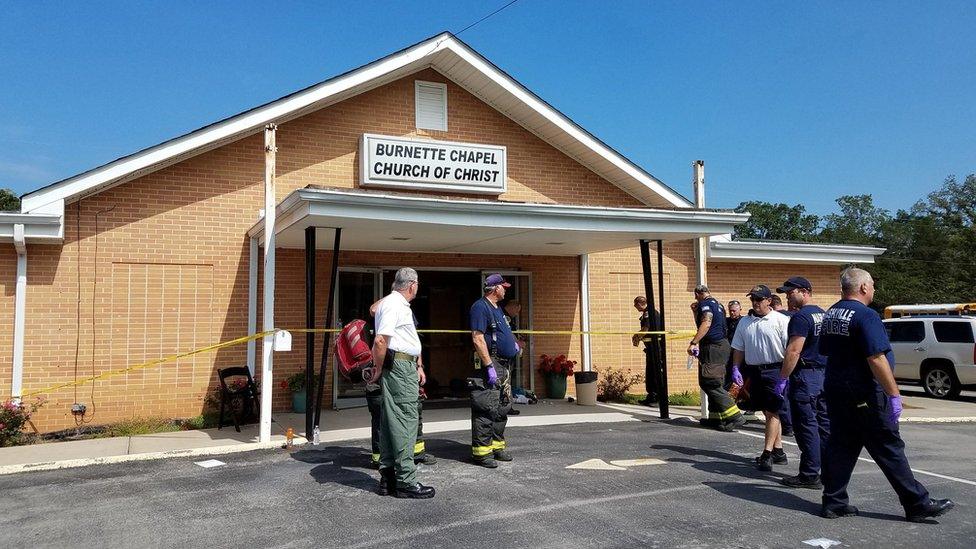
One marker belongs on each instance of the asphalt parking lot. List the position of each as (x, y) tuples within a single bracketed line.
[(705, 493)]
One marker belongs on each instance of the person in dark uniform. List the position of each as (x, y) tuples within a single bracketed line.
[(804, 366), (652, 369), (712, 350), (513, 309), (731, 323), (864, 404), (785, 414), (495, 347)]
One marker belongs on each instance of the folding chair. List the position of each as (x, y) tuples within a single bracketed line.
[(246, 395)]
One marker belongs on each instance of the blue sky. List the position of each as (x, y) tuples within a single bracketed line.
[(789, 102)]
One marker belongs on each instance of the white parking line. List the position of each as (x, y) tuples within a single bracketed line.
[(919, 471)]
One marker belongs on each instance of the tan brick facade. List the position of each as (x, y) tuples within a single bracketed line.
[(159, 265)]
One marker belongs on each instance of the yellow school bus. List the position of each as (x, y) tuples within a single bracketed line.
[(944, 309)]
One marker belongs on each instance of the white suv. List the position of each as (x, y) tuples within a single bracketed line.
[(937, 351)]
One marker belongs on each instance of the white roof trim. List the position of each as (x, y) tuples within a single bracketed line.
[(37, 228), (334, 204), (417, 57), (723, 249)]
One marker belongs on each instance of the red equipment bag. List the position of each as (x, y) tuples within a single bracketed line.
[(353, 351)]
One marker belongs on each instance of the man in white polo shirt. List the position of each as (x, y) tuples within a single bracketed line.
[(758, 349), (396, 356)]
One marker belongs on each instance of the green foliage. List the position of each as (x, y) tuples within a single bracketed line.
[(139, 426), (614, 382), (686, 398), (9, 201), (930, 249), (777, 222), (13, 418)]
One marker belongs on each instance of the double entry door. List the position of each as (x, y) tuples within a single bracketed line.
[(442, 303)]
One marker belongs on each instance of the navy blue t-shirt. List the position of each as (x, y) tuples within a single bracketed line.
[(501, 337), (806, 323), (716, 331), (849, 334)]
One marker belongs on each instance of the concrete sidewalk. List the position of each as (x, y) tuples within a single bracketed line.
[(350, 424), (353, 424)]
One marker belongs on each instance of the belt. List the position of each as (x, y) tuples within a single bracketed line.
[(772, 366), (397, 355)]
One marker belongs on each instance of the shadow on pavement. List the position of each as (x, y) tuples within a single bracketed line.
[(784, 498), (443, 448), (340, 465), (723, 463)]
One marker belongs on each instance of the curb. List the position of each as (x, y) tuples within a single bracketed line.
[(357, 433)]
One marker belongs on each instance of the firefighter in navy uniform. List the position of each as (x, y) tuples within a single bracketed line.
[(864, 404), (712, 349), (495, 347), (803, 366)]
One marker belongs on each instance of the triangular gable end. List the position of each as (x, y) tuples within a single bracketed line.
[(445, 53)]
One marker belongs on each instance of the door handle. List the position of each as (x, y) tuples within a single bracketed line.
[(919, 349)]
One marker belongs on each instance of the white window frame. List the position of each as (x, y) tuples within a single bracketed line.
[(416, 101)]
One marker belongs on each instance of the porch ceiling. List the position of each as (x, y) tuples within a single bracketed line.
[(400, 223)]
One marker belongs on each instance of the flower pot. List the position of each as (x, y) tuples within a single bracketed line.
[(298, 402), (556, 386)]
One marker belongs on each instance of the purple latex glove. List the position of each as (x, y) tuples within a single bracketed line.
[(736, 375), (895, 404), (780, 386), (492, 375)]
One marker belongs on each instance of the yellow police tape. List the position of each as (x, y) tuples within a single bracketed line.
[(672, 334)]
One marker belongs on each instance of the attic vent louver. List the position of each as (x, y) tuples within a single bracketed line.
[(431, 105)]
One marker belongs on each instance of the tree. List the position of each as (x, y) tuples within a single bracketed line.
[(777, 222), (859, 222), (9, 201)]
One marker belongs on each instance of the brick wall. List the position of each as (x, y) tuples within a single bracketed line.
[(616, 278)]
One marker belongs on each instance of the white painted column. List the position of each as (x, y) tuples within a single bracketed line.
[(267, 345), (252, 303), (20, 310), (585, 305), (700, 250)]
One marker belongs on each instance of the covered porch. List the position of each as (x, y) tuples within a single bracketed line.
[(414, 227)]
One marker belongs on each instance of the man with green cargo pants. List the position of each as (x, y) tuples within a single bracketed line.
[(397, 348)]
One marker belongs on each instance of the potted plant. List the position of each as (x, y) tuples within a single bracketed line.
[(296, 385), (556, 369)]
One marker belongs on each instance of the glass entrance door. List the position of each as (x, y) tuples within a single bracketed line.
[(356, 290), (518, 304)]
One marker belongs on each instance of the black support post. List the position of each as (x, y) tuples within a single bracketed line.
[(309, 324), (663, 341), (654, 355), (333, 281)]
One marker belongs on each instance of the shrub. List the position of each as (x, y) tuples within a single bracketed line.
[(614, 382), (687, 398), (13, 417), (295, 383)]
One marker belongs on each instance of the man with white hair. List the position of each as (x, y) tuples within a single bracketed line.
[(863, 404), (396, 359)]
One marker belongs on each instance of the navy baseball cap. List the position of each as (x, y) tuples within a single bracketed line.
[(761, 291), (496, 280), (795, 282)]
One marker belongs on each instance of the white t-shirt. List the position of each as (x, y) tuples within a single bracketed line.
[(394, 320), (762, 338)]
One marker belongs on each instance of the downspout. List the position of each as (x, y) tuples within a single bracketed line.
[(267, 345), (585, 305), (252, 304), (700, 248), (20, 310)]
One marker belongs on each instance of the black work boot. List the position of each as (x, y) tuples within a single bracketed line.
[(732, 424), (838, 512), (802, 482), (765, 461), (931, 509), (779, 457), (487, 462), (387, 485), (502, 455), (426, 459), (417, 491)]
